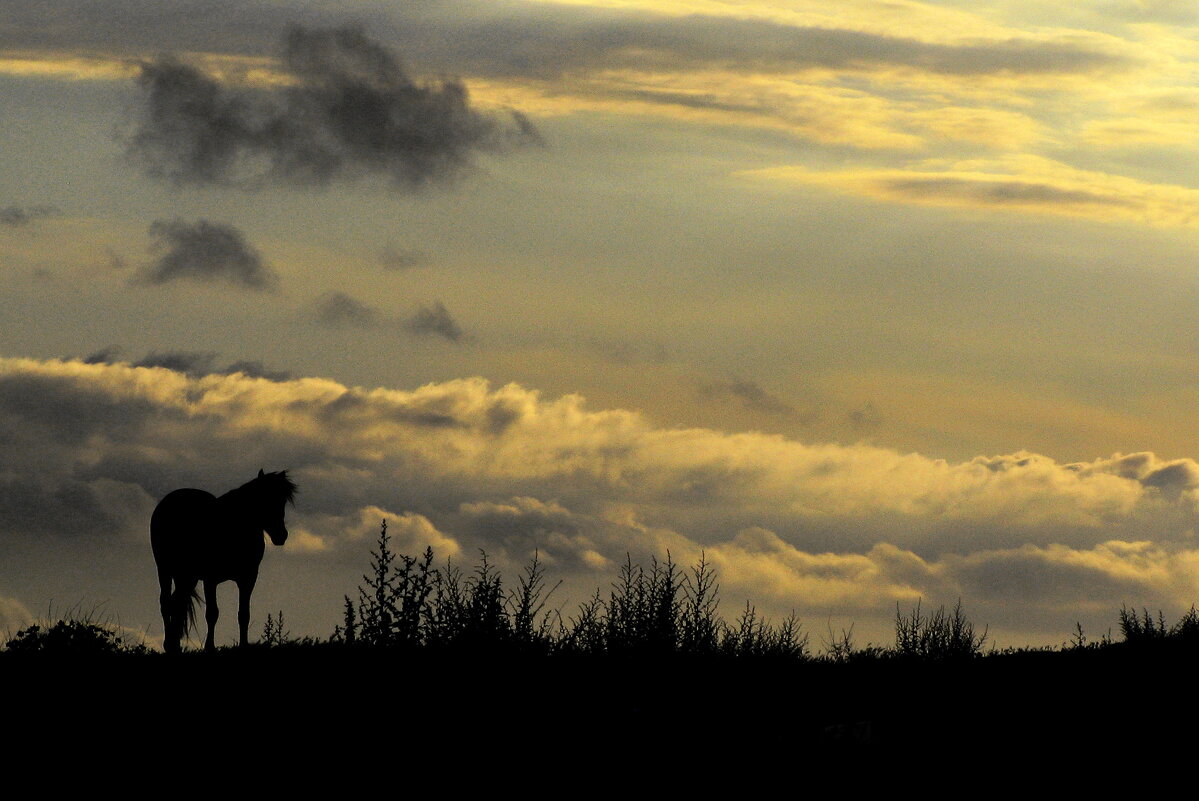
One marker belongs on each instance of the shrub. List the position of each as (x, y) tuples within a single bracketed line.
[(1142, 629), (73, 637), (405, 601), (940, 635)]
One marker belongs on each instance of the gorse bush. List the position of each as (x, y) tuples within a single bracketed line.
[(73, 637), (406, 602), (1144, 628), (939, 635)]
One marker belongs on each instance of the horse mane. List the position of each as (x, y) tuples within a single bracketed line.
[(278, 484), (270, 485)]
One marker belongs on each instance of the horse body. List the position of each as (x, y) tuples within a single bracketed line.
[(198, 537)]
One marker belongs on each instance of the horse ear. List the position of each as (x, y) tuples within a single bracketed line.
[(260, 473)]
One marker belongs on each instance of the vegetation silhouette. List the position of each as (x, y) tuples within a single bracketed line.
[(406, 603), (430, 655), (197, 536)]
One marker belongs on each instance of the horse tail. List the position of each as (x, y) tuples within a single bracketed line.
[(189, 623)]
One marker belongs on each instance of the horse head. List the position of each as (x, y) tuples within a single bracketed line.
[(279, 491)]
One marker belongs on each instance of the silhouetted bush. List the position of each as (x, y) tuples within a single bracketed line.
[(73, 637), (1143, 629), (1187, 627), (940, 635)]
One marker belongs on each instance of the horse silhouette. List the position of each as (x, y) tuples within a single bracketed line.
[(197, 536)]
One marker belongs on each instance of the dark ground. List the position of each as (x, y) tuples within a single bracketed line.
[(348, 707)]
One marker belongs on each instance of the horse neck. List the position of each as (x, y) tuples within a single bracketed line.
[(239, 504)]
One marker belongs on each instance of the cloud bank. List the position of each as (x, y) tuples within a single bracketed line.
[(462, 465)]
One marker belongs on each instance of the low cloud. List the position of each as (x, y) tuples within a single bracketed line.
[(347, 108), (15, 216), (207, 252)]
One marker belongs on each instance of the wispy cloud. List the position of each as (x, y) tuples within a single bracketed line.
[(749, 394), (15, 216), (1027, 184), (398, 259)]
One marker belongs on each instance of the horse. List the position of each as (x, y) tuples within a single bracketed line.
[(197, 536)]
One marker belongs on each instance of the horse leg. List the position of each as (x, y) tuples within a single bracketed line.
[(244, 588), (211, 613)]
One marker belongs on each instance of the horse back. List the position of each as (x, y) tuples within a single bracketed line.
[(178, 522)]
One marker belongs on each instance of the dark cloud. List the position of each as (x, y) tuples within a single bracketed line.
[(398, 259), (256, 369), (339, 310), (69, 507), (193, 363), (750, 395), (352, 110), (106, 355), (206, 251), (15, 216), (435, 320)]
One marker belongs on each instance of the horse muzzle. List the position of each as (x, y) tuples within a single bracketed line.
[(279, 536)]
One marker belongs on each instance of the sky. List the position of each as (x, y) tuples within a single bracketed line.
[(867, 301)]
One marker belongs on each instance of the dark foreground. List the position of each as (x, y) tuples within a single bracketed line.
[(339, 706)]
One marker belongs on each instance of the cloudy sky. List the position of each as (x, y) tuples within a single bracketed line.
[(868, 300)]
